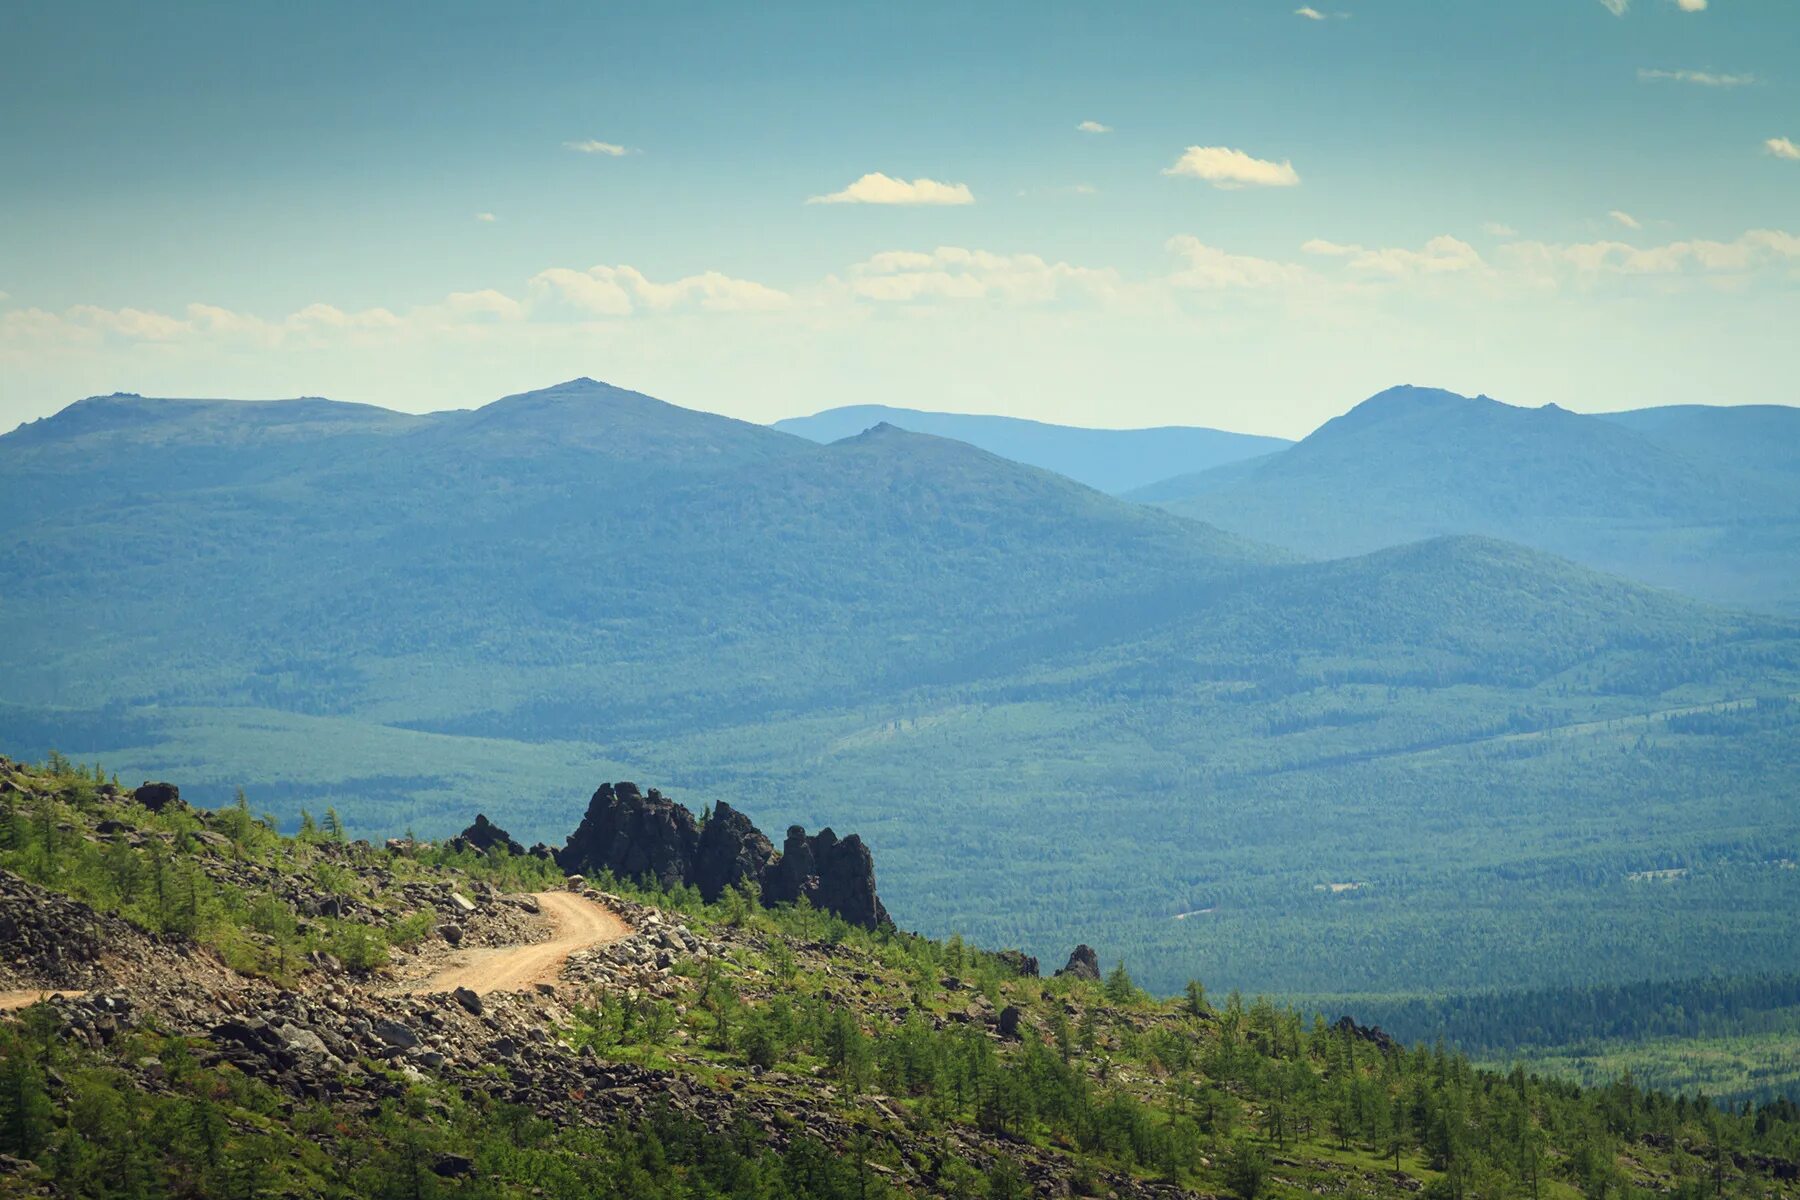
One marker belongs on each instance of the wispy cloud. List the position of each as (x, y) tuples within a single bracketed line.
[(876, 188), (591, 146), (1755, 249), (1313, 14), (1093, 127), (956, 273), (1209, 268), (1625, 219), (487, 218), (1498, 229), (1442, 254), (1782, 147), (1619, 8), (623, 290), (1701, 78), (1226, 168)]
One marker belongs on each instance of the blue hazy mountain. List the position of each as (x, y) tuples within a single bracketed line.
[(1703, 500), (1112, 460), (1054, 713)]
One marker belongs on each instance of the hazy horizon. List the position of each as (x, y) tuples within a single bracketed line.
[(1234, 216)]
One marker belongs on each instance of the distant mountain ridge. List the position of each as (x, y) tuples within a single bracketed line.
[(1055, 715), (1697, 499), (1110, 460)]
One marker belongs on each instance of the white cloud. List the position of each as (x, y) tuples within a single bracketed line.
[(1782, 147), (1700, 78), (876, 188), (1752, 250), (1441, 255), (1310, 13), (590, 146), (1208, 268), (1498, 229), (620, 291), (1616, 7), (595, 292), (1227, 168), (1691, 5), (488, 218), (956, 273), (1625, 219), (482, 307), (1093, 127)]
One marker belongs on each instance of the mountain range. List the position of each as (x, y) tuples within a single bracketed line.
[(1111, 460), (1701, 499), (1051, 712)]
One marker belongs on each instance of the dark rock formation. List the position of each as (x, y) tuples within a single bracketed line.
[(634, 836), (650, 837), (1373, 1034), (1009, 1023), (730, 850), (157, 796), (1083, 963), (483, 836), (1018, 962)]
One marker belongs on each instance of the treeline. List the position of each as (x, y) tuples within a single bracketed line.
[(1487, 1024)]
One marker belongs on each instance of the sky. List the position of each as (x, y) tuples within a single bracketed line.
[(1214, 212)]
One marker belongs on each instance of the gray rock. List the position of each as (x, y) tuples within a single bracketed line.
[(393, 1034)]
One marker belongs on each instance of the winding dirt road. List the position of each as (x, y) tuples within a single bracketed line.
[(579, 923)]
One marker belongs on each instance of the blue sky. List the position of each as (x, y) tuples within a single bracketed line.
[(1590, 202)]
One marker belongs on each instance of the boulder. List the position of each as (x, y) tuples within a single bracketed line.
[(484, 837), (157, 796), (1083, 963), (468, 999)]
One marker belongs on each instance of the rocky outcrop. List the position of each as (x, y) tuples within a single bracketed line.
[(1375, 1035), (158, 796), (1018, 962), (483, 836), (650, 837), (1083, 963), (730, 850)]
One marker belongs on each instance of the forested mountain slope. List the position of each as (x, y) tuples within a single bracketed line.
[(1699, 500), (192, 1004)]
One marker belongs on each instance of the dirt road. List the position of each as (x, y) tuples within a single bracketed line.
[(26, 997), (579, 923)]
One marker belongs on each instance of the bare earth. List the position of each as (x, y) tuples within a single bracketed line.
[(26, 997), (578, 922)]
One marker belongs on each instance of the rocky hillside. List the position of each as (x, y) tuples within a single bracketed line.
[(200, 1006)]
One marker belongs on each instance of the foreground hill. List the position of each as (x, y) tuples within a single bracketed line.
[(1703, 500), (1039, 704), (1112, 460), (192, 1004)]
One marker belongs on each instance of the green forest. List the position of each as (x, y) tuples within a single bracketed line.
[(1223, 1094)]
